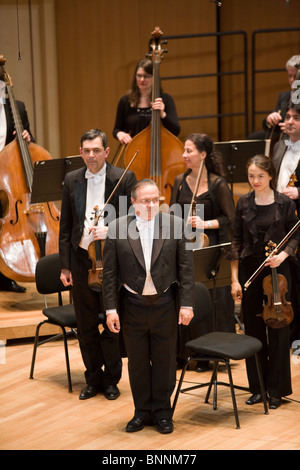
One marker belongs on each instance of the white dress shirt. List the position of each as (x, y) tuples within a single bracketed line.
[(94, 197), (289, 163), (146, 231)]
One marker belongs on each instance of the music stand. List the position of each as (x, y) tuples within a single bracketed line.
[(236, 154), (48, 178), (212, 268)]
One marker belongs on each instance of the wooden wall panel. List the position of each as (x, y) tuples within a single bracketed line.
[(99, 45), (78, 60), (272, 51)]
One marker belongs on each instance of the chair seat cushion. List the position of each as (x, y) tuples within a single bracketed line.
[(63, 315), (227, 345)]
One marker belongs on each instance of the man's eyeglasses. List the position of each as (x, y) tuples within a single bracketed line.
[(96, 151), (147, 202)]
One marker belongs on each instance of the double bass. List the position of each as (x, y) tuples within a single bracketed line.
[(160, 150), (27, 231)]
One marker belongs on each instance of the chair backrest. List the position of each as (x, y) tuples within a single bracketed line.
[(203, 303), (47, 275)]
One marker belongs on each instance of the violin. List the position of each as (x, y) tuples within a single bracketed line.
[(277, 311), (95, 252), (273, 252), (95, 248)]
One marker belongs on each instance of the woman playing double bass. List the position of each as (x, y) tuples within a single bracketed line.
[(263, 215), (134, 109)]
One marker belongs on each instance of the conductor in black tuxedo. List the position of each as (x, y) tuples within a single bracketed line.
[(83, 190), (7, 135), (146, 264)]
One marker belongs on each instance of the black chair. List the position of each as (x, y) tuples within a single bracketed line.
[(219, 347), (47, 278)]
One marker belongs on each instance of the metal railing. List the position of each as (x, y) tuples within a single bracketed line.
[(219, 74), (256, 71)]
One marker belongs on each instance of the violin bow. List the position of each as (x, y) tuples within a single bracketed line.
[(273, 252), (98, 216), (196, 189)]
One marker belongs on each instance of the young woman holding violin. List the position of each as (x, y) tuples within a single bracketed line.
[(262, 216)]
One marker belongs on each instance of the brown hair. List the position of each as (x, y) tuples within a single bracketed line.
[(134, 92)]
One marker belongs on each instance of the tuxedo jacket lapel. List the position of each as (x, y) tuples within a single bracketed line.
[(109, 184), (135, 241), (278, 154), (80, 185), (159, 238)]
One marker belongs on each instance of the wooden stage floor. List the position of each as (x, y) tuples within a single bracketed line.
[(41, 414)]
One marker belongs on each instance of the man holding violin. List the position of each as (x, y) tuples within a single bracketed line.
[(286, 158), (84, 189)]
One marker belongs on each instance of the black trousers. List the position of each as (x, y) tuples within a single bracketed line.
[(150, 334), (275, 353), (100, 352)]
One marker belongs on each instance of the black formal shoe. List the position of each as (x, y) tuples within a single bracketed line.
[(111, 392), (135, 424), (164, 426), (12, 286), (256, 398), (274, 403), (87, 392)]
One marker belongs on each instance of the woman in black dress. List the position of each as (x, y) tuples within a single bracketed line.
[(263, 215), (215, 197), (135, 108)]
